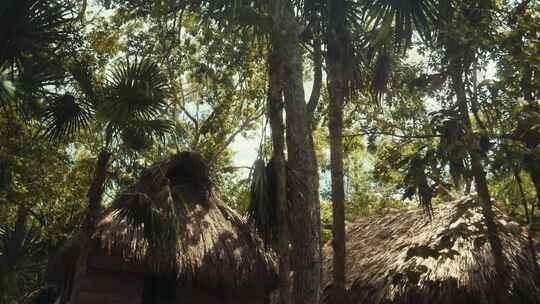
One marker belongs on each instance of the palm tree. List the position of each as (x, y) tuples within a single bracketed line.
[(404, 17), (278, 21), (459, 57), (124, 110)]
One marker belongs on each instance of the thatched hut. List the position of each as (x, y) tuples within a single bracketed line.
[(404, 258), (215, 257)]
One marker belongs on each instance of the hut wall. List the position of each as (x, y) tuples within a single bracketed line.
[(185, 295), (110, 286)]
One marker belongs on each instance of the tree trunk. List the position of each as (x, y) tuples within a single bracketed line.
[(336, 57), (535, 177), (275, 114), (530, 221), (95, 195), (304, 185), (481, 185), (8, 259)]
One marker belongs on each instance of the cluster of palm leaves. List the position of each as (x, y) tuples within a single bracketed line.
[(126, 104), (415, 181), (30, 27), (453, 144), (47, 83)]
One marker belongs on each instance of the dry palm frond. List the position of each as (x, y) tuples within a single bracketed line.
[(381, 75), (262, 210), (156, 221)]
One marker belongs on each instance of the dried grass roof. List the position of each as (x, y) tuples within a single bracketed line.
[(215, 249), (404, 258)]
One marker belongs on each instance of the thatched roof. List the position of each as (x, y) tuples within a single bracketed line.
[(404, 258), (215, 249)]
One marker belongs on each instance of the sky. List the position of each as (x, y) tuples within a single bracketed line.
[(246, 149)]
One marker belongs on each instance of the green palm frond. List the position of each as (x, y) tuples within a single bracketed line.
[(405, 17), (139, 135), (415, 181), (83, 75), (137, 90), (23, 270), (34, 82), (136, 139), (65, 117), (31, 27), (453, 147), (157, 127)]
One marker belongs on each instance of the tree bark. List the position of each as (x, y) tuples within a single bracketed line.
[(95, 196), (530, 221), (8, 259), (275, 114), (336, 56), (535, 176), (302, 164), (478, 172)]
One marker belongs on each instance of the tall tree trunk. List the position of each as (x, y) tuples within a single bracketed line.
[(95, 196), (534, 172), (529, 214), (275, 114), (304, 181), (481, 185), (337, 46)]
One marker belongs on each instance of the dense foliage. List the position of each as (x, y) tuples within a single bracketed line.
[(435, 94)]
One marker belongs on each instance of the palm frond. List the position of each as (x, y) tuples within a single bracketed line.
[(83, 75), (381, 75), (405, 16), (31, 27), (139, 135), (34, 84), (262, 211), (65, 117), (137, 90), (452, 146), (415, 181)]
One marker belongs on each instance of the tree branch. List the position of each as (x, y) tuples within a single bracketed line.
[(406, 136)]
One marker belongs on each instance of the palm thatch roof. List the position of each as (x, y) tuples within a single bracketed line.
[(171, 222), (403, 257)]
